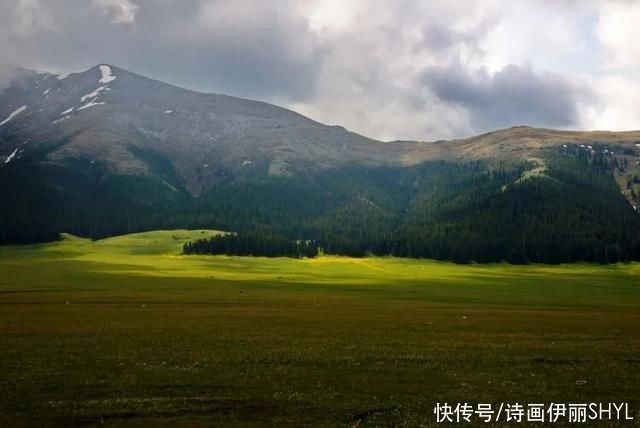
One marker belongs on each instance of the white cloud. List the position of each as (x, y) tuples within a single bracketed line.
[(615, 78), (619, 33), (329, 15), (120, 11), (620, 106)]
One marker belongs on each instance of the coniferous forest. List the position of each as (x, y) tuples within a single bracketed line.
[(253, 244), (472, 212), (566, 209)]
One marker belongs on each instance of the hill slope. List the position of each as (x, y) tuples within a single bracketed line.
[(106, 151)]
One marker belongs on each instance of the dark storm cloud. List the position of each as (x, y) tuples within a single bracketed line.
[(513, 95), (251, 48)]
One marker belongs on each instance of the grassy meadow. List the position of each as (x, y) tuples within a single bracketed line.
[(127, 331)]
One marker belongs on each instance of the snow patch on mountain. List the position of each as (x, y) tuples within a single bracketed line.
[(60, 120), (11, 156), (90, 104), (95, 93), (12, 115), (107, 74)]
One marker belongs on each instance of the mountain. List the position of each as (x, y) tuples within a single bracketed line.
[(109, 115), (107, 151)]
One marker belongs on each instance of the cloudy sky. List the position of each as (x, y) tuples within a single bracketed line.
[(390, 69)]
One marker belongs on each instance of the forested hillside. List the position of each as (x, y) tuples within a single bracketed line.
[(563, 208), (570, 210)]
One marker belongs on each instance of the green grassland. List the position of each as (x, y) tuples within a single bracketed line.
[(127, 331)]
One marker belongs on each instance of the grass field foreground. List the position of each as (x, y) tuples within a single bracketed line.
[(127, 331)]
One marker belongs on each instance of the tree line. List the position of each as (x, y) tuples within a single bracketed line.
[(252, 244)]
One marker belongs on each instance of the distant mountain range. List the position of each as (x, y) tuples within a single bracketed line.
[(106, 151)]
